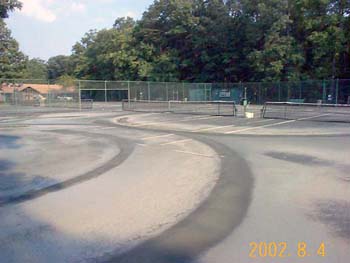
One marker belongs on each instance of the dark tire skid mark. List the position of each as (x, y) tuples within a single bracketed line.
[(210, 223), (126, 148)]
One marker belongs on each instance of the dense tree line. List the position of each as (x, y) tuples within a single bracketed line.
[(210, 41), (12, 61)]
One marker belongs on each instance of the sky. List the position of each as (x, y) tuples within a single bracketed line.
[(46, 28)]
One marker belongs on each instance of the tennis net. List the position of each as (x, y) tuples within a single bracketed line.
[(222, 108), (307, 111)]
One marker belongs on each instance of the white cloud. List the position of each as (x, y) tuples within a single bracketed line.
[(39, 10), (77, 7)]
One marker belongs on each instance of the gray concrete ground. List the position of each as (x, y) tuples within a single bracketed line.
[(112, 186)]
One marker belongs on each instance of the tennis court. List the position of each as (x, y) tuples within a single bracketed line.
[(169, 187), (270, 119)]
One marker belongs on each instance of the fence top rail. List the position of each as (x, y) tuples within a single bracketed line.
[(178, 82), (306, 104), (140, 81), (203, 102), (182, 102), (219, 83)]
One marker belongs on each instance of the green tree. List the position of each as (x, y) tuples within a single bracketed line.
[(12, 60), (321, 27), (7, 6), (66, 81), (124, 23), (36, 68), (222, 41), (58, 66), (279, 57), (110, 54)]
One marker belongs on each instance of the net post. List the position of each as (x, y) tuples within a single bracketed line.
[(285, 111), (263, 111), (245, 101)]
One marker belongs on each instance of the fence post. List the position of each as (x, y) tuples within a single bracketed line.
[(79, 94), (177, 92), (14, 96), (105, 91), (183, 91), (279, 91), (167, 91), (324, 91), (48, 94), (129, 94), (337, 91), (149, 90)]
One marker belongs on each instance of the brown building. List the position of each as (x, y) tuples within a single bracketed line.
[(32, 92)]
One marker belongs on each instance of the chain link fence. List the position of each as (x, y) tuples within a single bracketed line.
[(141, 90), (41, 93), (80, 93), (310, 91)]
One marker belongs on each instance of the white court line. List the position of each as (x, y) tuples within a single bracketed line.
[(174, 142), (258, 127), (173, 120), (226, 126), (156, 137), (166, 120), (275, 124), (108, 128), (313, 117), (213, 128), (178, 118), (252, 122), (196, 117), (144, 114), (197, 154), (202, 118)]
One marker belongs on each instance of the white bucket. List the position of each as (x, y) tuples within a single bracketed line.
[(249, 115)]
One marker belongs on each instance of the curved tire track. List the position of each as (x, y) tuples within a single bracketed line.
[(210, 223), (126, 148)]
